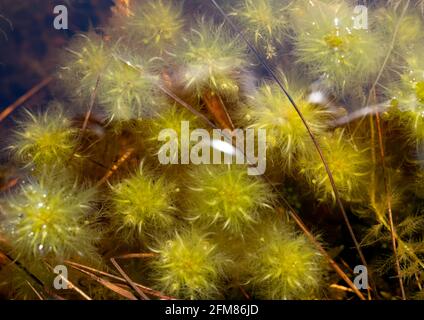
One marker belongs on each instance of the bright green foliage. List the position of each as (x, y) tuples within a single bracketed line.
[(212, 59), (266, 22), (141, 204), (45, 138), (202, 231), (189, 266), (153, 24), (283, 265), (407, 98), (348, 162), (49, 217), (128, 89), (226, 196), (87, 58), (327, 42), (287, 137), (170, 119)]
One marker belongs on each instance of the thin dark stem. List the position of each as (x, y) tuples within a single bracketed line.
[(91, 105)]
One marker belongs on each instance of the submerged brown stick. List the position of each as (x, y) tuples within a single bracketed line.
[(217, 109), (128, 280), (116, 166), (149, 291), (10, 109), (111, 286), (91, 105)]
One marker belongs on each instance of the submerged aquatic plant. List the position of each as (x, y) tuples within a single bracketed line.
[(128, 88), (287, 137), (50, 217), (265, 21), (199, 230), (212, 59), (85, 61), (142, 204), (171, 119), (328, 43), (349, 163), (45, 138), (225, 196), (153, 24), (282, 265), (407, 99), (189, 266)]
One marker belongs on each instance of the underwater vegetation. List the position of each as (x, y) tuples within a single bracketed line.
[(341, 105)]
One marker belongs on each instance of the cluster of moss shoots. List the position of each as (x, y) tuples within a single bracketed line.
[(91, 188)]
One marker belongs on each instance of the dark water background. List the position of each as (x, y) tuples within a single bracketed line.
[(29, 44)]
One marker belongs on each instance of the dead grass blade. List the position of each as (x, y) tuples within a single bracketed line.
[(10, 184), (38, 294), (128, 279), (109, 275), (216, 107), (136, 256), (71, 285), (91, 105), (113, 287)]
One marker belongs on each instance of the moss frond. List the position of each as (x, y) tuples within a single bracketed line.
[(128, 89), (407, 98), (45, 138), (287, 137), (282, 265), (349, 163), (49, 216), (265, 21), (85, 61), (189, 266), (211, 58), (171, 118), (226, 197), (142, 204), (329, 45), (153, 24)]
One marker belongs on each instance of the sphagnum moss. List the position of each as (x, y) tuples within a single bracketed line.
[(283, 265), (44, 138), (226, 197), (287, 137), (265, 21), (156, 25), (142, 205), (349, 162), (328, 42), (211, 59), (189, 266), (214, 232), (50, 217)]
